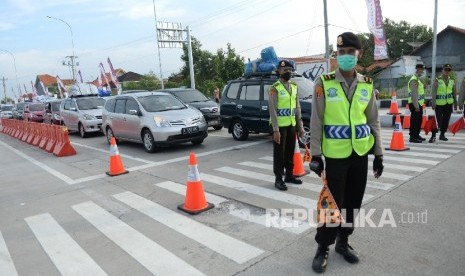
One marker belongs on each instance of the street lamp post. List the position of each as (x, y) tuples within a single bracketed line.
[(73, 57), (16, 71)]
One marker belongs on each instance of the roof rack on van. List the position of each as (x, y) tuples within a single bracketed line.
[(266, 75), (83, 96)]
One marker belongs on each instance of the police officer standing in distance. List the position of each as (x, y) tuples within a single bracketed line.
[(345, 128), (416, 99), (443, 96), (286, 119)]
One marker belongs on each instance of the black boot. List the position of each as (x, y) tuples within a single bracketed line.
[(320, 260), (292, 179), (432, 139), (343, 248), (442, 137), (279, 184)]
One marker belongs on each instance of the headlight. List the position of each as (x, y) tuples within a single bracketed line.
[(89, 117), (160, 122), (202, 119), (56, 117)]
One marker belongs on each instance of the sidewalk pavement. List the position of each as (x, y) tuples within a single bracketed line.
[(428, 238)]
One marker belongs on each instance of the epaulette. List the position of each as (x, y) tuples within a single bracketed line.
[(291, 82), (368, 79), (330, 76), (276, 84), (439, 77)]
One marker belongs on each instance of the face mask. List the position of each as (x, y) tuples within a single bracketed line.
[(347, 62), (286, 76)]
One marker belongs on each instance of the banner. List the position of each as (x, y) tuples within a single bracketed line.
[(104, 75), (80, 77), (34, 91), (376, 26), (112, 72), (61, 87), (43, 88)]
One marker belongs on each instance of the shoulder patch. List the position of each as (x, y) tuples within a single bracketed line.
[(291, 82), (368, 79), (330, 76), (276, 84)]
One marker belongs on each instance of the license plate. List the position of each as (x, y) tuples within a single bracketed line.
[(213, 123), (189, 130)]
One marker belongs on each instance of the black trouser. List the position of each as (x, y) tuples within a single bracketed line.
[(283, 153), (415, 121), (347, 179), (443, 113)]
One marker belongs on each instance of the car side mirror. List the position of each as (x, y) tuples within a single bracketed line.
[(72, 109), (135, 112)]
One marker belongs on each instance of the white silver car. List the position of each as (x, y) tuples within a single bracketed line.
[(82, 113), (6, 111), (153, 119)]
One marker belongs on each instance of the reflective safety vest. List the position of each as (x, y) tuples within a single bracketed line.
[(345, 126), (421, 91), (444, 93), (286, 104)]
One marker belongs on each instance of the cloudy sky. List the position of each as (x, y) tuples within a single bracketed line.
[(125, 32)]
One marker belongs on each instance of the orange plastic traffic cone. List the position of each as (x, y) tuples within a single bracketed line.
[(407, 114), (397, 140), (424, 118), (195, 201), (116, 165), (298, 169), (394, 109)]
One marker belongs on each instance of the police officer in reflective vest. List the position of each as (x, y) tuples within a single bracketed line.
[(443, 96), (345, 128), (416, 99), (285, 118)]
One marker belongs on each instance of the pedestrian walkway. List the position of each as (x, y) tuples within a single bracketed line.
[(250, 194)]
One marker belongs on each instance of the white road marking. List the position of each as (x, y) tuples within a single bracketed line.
[(7, 266), (231, 248), (256, 190), (152, 256), (241, 213), (419, 154), (181, 189), (426, 145), (65, 253)]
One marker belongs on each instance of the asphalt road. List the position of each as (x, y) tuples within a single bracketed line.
[(65, 216)]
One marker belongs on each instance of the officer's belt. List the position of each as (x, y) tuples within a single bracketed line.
[(344, 132)]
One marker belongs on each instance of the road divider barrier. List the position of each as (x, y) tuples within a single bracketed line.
[(51, 138)]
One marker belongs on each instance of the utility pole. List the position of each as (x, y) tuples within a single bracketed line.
[(328, 63), (158, 47), (4, 86), (191, 60)]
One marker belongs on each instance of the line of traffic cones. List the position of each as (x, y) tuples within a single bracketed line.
[(195, 201), (397, 140), (116, 165)]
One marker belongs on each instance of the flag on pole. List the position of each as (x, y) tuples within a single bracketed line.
[(457, 125), (327, 209), (34, 91), (376, 26), (43, 88), (61, 87), (430, 125), (112, 72), (19, 90), (25, 89), (80, 77), (102, 71)]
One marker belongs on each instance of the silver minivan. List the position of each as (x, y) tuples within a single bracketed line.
[(153, 119), (82, 113)]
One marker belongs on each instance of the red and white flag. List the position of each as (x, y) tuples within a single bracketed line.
[(61, 87), (80, 77), (34, 91), (43, 88), (112, 72), (104, 75), (25, 89), (376, 26), (99, 81)]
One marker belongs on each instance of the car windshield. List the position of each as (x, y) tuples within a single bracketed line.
[(56, 106), (90, 103), (190, 96), (7, 108), (157, 103), (36, 107), (305, 87)]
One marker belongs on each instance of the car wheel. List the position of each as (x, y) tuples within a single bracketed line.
[(218, 127), (239, 131), (305, 139), (149, 142), (197, 142), (82, 131), (110, 134)]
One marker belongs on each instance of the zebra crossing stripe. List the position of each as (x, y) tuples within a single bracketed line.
[(410, 160), (401, 167), (379, 185), (420, 154), (241, 213), (65, 253), (396, 176), (152, 256), (7, 266), (425, 145), (234, 249), (256, 190), (431, 149), (181, 189)]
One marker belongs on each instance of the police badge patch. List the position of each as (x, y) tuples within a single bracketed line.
[(364, 92), (332, 92)]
